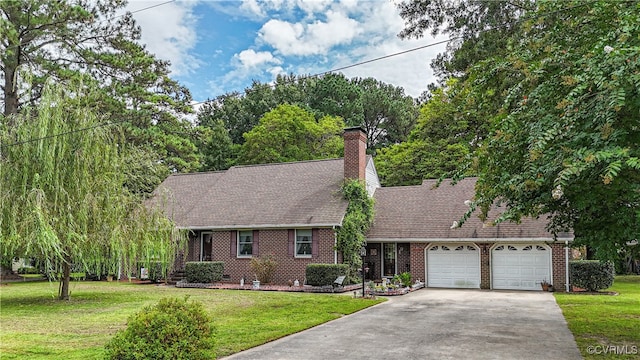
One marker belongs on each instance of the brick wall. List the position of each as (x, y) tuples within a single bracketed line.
[(271, 242), (485, 265), (404, 258), (558, 264), (417, 261)]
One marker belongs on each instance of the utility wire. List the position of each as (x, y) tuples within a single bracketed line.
[(299, 78), (349, 66), (108, 19)]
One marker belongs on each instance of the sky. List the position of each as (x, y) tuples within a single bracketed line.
[(216, 47)]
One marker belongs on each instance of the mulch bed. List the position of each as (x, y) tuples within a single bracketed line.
[(581, 291), (269, 287)]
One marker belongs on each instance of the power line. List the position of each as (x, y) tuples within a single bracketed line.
[(356, 64), (301, 77), (388, 56), (108, 19), (143, 9)]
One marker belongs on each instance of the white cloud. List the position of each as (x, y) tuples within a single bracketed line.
[(410, 70), (275, 71), (252, 7), (252, 59), (310, 37), (303, 39), (283, 36), (169, 32), (336, 34), (314, 6)]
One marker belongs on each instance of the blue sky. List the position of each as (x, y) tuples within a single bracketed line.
[(217, 47)]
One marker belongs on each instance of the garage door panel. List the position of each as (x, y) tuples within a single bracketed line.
[(520, 267), (528, 272), (526, 260), (453, 266)]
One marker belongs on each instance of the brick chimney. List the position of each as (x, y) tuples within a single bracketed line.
[(355, 146)]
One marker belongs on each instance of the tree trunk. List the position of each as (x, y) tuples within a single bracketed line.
[(10, 90), (64, 281), (11, 60)]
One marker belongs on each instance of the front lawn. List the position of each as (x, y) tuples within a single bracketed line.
[(34, 325), (603, 325)]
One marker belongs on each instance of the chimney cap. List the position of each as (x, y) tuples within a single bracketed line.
[(354, 128)]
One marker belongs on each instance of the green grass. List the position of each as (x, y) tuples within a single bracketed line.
[(34, 325), (598, 321)]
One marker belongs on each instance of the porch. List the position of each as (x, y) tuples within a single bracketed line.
[(386, 259)]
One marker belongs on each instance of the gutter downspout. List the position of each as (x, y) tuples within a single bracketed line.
[(335, 245), (566, 265)]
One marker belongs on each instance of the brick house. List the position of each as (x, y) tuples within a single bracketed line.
[(291, 211)]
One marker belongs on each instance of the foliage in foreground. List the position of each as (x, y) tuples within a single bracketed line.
[(63, 195), (171, 329), (565, 141)]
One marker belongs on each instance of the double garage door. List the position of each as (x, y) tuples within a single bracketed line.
[(513, 266)]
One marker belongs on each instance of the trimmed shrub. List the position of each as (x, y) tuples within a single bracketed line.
[(325, 274), (155, 271), (592, 275), (264, 268), (203, 271), (171, 329)]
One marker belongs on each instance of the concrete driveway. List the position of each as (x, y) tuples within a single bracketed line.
[(437, 324)]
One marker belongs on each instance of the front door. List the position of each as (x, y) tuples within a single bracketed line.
[(205, 246), (389, 256)]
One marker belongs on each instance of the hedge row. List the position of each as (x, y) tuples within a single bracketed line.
[(592, 275), (325, 274), (203, 271)]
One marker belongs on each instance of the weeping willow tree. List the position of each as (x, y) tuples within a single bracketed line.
[(62, 192)]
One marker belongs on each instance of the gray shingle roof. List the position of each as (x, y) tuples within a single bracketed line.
[(425, 212), (281, 195)]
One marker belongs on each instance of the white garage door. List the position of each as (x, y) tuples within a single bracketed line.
[(520, 267), (453, 266)]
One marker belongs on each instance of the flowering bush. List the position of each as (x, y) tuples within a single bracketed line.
[(264, 268)]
